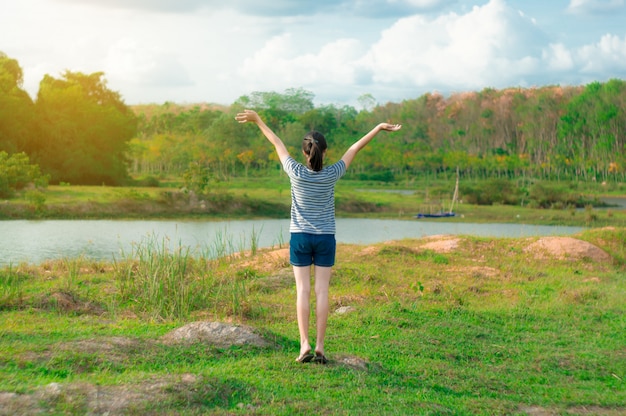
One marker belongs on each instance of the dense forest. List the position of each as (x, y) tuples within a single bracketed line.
[(79, 131)]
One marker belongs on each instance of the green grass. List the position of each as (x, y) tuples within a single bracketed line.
[(484, 329)]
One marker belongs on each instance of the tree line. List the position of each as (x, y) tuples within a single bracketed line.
[(78, 131), (550, 132)]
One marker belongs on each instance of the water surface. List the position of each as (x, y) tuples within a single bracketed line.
[(37, 241)]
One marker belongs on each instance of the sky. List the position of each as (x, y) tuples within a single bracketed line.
[(215, 51)]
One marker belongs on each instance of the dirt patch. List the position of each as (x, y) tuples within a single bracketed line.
[(370, 251), (86, 398), (476, 271), (574, 411), (68, 302), (437, 243), (267, 261), (566, 248), (441, 243)]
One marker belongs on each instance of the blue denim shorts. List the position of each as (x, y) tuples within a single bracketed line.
[(306, 249)]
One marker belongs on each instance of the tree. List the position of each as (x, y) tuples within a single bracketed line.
[(84, 130), (16, 108), (277, 109), (367, 102), (593, 126)]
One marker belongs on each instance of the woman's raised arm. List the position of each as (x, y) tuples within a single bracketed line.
[(252, 117), (348, 157)]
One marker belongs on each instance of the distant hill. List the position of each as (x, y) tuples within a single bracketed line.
[(150, 110)]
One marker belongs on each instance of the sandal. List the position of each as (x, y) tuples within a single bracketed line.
[(305, 357), (320, 358)]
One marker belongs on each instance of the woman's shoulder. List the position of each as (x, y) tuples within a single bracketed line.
[(338, 166)]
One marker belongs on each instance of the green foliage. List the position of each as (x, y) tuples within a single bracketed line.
[(85, 128), (11, 287), (592, 128), (501, 134), (16, 109), (148, 181), (197, 179), (277, 109), (538, 195), (549, 195), (36, 200), (171, 119), (385, 176), (16, 173), (490, 192), (202, 185)]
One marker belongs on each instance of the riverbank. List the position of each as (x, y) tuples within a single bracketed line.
[(440, 325), (258, 200)]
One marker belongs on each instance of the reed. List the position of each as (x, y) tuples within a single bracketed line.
[(168, 281), (155, 277), (11, 287)]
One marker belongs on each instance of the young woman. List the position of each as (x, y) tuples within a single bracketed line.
[(312, 225)]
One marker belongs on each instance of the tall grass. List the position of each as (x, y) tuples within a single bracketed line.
[(168, 282), (157, 280), (72, 266), (11, 287)]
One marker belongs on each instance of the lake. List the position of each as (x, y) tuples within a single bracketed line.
[(36, 241)]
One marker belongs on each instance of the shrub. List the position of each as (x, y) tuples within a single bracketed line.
[(557, 197), (16, 173), (494, 191), (148, 182), (382, 176)]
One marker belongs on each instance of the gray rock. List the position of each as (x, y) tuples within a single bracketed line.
[(215, 333)]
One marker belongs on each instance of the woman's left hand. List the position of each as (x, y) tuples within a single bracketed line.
[(247, 115)]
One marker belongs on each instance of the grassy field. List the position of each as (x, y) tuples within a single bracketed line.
[(487, 328)]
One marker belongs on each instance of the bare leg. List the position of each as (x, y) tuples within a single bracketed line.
[(303, 309), (322, 281)]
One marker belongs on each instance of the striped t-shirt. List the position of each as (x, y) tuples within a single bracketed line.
[(313, 196)]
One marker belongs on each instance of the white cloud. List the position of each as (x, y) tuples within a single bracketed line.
[(422, 4), (277, 8), (595, 6), (608, 55), (558, 57), (179, 6), (211, 50), (490, 45), (279, 64), (129, 62), (493, 45)]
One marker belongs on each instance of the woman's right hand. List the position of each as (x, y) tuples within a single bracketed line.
[(390, 127)]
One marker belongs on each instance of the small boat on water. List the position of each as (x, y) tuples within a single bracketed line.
[(436, 215), (444, 214)]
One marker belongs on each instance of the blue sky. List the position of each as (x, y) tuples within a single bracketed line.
[(191, 51)]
